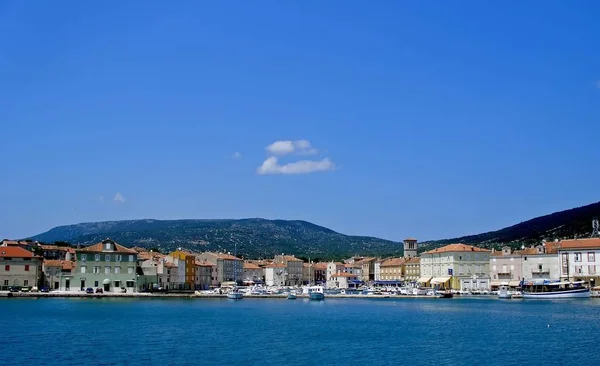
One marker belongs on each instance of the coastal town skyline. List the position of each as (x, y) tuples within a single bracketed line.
[(388, 120)]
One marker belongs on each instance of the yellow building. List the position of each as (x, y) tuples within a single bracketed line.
[(412, 270), (186, 265), (393, 269), (456, 266)]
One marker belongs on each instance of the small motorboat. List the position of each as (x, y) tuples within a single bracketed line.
[(504, 293), (316, 293), (292, 295)]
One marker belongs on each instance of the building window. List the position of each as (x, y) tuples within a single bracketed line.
[(117, 283), (592, 269), (27, 267), (107, 258), (107, 246), (97, 257), (117, 270), (130, 270), (7, 268), (25, 282), (119, 257), (539, 267), (577, 257), (95, 283), (5, 282), (107, 270), (130, 283), (83, 257), (578, 269), (591, 257), (131, 257), (83, 269)]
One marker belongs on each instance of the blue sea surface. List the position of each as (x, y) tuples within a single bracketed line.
[(299, 332)]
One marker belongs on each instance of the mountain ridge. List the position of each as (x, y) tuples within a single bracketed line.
[(565, 224), (254, 237)]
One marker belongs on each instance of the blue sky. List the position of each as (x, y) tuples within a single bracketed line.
[(429, 120)]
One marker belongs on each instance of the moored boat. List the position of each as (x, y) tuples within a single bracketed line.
[(316, 293), (292, 295), (555, 290), (503, 292), (235, 295)]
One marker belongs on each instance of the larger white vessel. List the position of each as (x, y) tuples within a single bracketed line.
[(555, 290)]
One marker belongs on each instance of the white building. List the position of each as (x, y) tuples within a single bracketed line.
[(342, 280), (332, 269), (275, 274), (378, 270), (508, 266), (580, 260), (456, 266)]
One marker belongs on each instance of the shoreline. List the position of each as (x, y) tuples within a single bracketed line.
[(10, 295), (209, 296)]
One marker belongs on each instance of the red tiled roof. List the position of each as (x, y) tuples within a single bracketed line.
[(457, 248), (248, 265), (586, 243), (223, 256), (99, 248), (66, 265), (204, 263), (415, 260), (393, 262), (366, 260), (343, 274), (15, 252), (55, 247), (275, 265)]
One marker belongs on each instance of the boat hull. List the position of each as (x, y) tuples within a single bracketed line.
[(566, 294), (235, 296), (316, 296)]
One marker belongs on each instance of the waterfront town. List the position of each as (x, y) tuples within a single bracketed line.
[(108, 267)]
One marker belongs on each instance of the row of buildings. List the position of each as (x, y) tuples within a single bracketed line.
[(114, 268)]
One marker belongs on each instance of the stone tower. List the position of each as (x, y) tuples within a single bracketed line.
[(410, 248)]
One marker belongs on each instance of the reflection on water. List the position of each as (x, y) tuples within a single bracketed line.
[(334, 331)]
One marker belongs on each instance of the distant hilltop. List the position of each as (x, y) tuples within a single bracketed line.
[(261, 238), (567, 224), (255, 238)]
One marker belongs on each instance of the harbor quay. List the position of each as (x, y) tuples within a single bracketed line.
[(562, 268)]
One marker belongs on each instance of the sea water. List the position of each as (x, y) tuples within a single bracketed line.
[(477, 331)]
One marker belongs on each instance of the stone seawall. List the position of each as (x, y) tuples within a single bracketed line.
[(190, 296)]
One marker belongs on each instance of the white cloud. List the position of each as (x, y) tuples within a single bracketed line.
[(119, 198), (236, 155), (271, 166), (285, 147)]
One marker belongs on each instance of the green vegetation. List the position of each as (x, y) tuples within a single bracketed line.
[(255, 238), (576, 222)]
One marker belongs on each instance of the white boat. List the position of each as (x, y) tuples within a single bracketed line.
[(316, 293), (292, 295), (517, 295), (555, 290), (504, 293), (418, 291), (235, 295)]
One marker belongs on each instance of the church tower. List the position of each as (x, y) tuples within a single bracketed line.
[(410, 248)]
